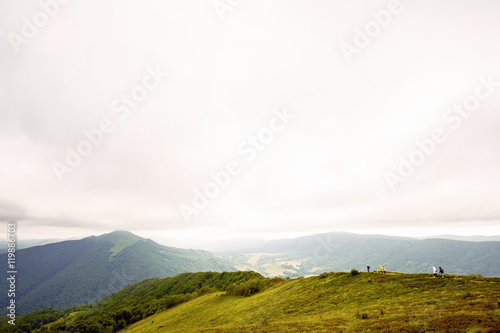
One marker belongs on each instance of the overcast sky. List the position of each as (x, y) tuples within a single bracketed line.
[(316, 107)]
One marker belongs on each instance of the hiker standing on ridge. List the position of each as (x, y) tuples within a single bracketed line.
[(435, 271), (382, 269), (368, 268), (441, 271)]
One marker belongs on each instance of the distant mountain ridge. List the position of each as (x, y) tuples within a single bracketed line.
[(474, 238), (310, 255), (244, 245), (69, 273)]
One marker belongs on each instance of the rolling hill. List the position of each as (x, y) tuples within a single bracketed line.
[(248, 302), (69, 273), (342, 251)]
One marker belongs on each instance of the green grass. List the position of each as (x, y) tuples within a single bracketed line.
[(248, 302), (341, 302), (121, 240), (119, 246)]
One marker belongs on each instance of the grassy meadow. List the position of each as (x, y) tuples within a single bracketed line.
[(341, 302)]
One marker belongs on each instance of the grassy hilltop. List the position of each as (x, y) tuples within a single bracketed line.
[(341, 302), (330, 302)]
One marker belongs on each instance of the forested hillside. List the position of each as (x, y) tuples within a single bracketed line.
[(65, 274)]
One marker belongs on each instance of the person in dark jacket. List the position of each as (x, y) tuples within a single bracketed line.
[(441, 271), (368, 268)]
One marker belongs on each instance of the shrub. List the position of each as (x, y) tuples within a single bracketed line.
[(354, 272), (205, 290), (247, 288), (323, 275), (476, 275), (362, 315)]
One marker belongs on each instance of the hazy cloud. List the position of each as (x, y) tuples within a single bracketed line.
[(324, 171)]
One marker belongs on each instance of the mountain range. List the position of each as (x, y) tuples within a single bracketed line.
[(65, 274), (341, 251), (75, 272)]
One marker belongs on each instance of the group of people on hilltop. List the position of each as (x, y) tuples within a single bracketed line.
[(382, 269), (435, 270), (441, 271)]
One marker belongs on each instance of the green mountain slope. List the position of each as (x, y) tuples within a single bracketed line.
[(69, 273), (341, 302), (341, 251), (137, 301), (330, 302)]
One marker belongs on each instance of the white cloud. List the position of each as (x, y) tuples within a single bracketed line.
[(323, 172)]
